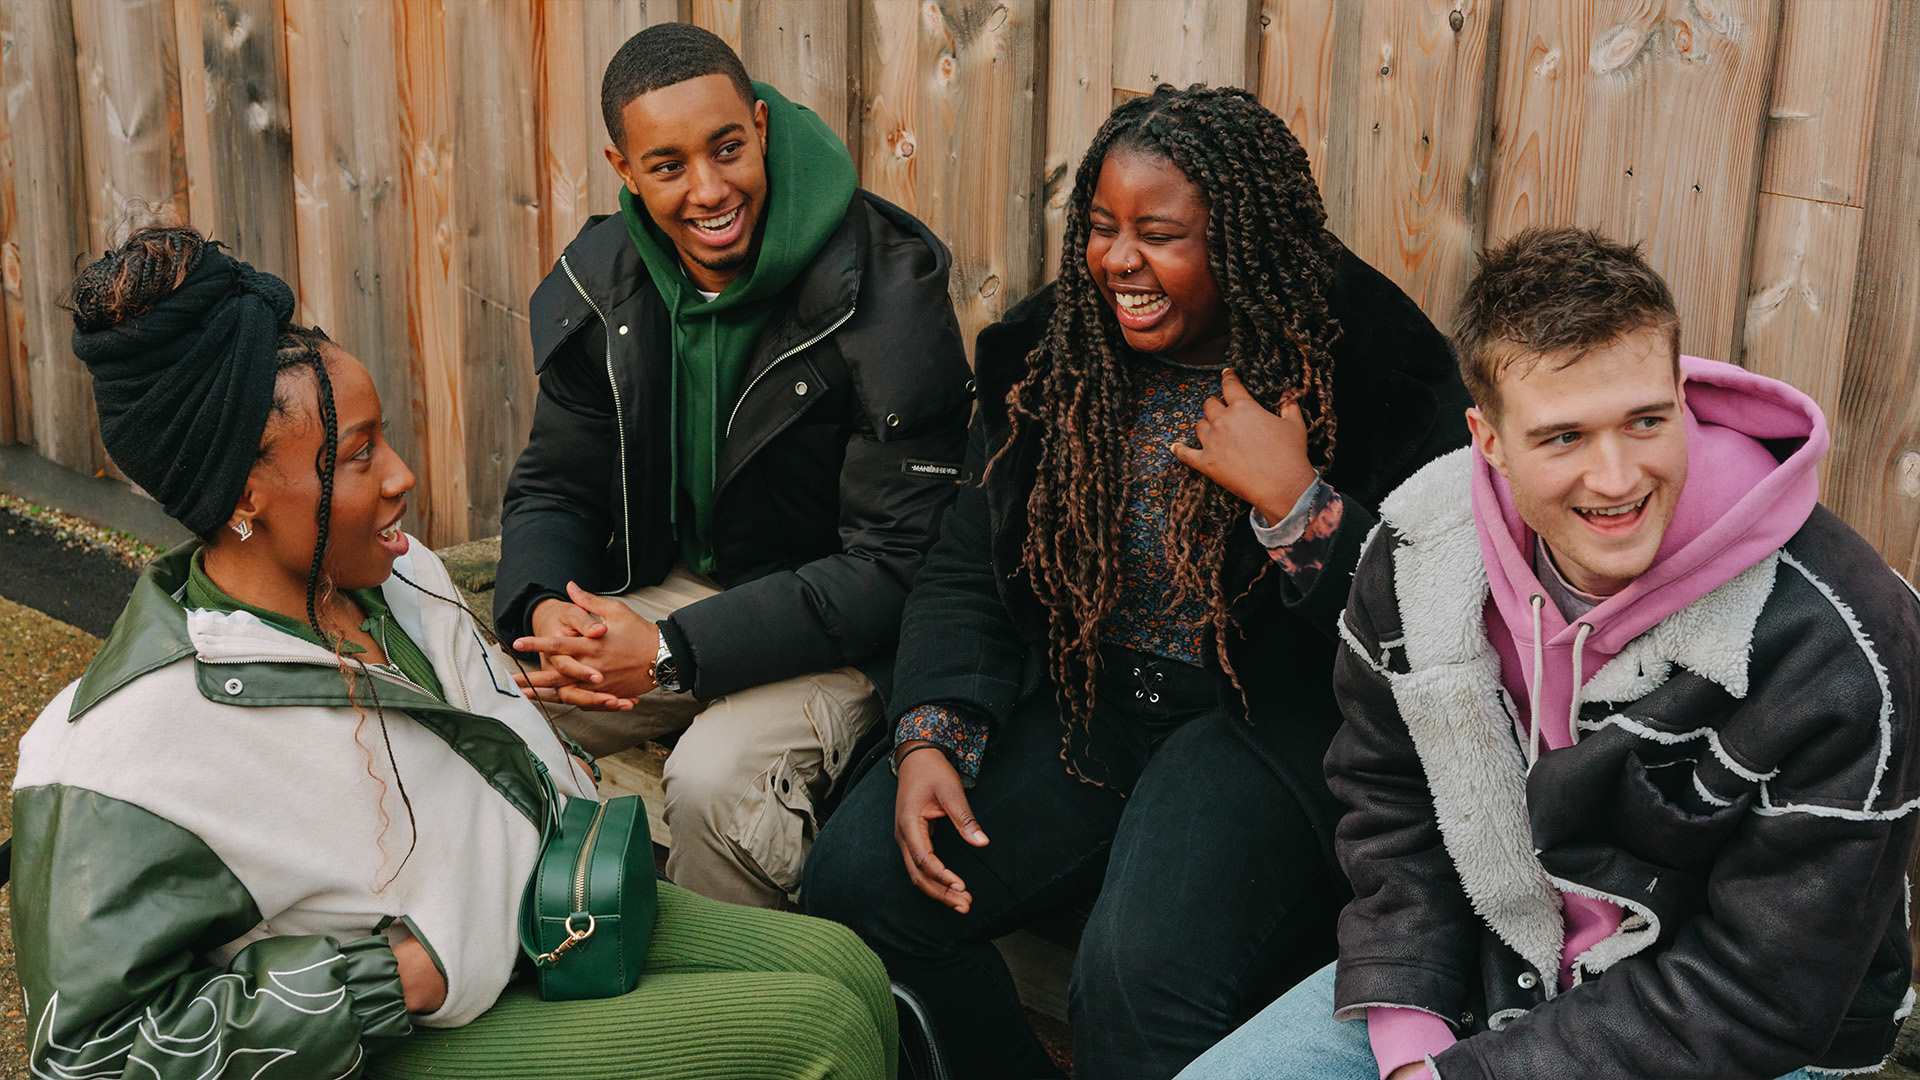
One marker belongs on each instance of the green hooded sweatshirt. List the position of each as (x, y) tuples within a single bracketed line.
[(810, 182)]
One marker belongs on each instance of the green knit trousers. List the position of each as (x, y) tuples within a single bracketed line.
[(729, 993)]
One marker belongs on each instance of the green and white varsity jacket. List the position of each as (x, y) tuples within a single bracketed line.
[(209, 837)]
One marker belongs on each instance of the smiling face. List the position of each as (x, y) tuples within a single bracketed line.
[(1595, 451), (1147, 254), (370, 486), (695, 156)]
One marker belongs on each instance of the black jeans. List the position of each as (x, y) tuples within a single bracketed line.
[(1212, 896)]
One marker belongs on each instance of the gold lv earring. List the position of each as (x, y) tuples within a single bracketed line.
[(243, 528)]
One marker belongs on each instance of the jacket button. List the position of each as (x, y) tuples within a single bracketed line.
[(969, 386), (568, 321), (893, 419), (800, 388), (234, 686), (623, 330), (1528, 980)]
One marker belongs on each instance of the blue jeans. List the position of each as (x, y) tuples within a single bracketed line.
[(1297, 1038)]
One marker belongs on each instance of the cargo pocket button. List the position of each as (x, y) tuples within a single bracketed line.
[(800, 388), (234, 686)]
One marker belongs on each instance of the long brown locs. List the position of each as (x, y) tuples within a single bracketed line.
[(1271, 256)]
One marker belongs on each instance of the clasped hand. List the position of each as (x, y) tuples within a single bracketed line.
[(1259, 456), (595, 652)]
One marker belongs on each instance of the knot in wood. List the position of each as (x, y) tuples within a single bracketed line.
[(1909, 469)]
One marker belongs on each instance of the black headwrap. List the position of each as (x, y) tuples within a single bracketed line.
[(184, 390)]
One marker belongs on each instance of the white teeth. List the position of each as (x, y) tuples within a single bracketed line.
[(719, 223), (1616, 511), (391, 532), (1141, 303)]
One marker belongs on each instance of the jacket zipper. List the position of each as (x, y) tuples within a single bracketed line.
[(778, 360), (585, 861), (619, 429)]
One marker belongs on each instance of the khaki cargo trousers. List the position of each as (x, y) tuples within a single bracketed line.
[(748, 768)]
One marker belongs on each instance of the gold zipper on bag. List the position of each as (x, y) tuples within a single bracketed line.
[(586, 859), (576, 935)]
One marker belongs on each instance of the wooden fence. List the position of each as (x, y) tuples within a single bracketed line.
[(415, 165)]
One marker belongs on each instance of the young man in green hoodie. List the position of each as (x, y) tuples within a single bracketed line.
[(753, 399)]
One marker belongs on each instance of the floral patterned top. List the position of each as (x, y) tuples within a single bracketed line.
[(1171, 403)]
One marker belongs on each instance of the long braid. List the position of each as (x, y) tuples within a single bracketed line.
[(300, 347), (1272, 258)]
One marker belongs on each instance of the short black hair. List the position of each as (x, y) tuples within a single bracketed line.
[(662, 56)]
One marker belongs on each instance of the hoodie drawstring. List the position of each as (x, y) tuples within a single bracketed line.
[(1573, 702), (1536, 602), (1533, 689)]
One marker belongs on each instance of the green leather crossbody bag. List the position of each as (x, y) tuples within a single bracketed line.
[(587, 917)]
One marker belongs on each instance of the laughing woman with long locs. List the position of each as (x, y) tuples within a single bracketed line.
[(283, 824), (1114, 677)]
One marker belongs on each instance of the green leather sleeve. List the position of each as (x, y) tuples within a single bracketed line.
[(114, 912)]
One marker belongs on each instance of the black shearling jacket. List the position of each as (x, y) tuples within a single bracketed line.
[(837, 462), (1743, 787)]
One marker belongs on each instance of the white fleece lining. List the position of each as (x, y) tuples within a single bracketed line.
[(1675, 738), (1710, 798), (1451, 703), (1353, 642), (1359, 1012), (1629, 938), (1873, 660), (1711, 637)]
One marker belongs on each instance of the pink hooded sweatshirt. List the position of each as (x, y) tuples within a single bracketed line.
[(1739, 505)]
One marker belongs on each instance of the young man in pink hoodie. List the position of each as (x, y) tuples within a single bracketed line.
[(1629, 779)]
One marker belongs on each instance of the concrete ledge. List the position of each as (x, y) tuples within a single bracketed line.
[(99, 499)]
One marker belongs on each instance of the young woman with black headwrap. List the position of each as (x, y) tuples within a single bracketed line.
[(278, 823), (1114, 677)]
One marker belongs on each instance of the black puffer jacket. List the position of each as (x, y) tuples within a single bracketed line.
[(838, 458), (974, 634), (1743, 787)]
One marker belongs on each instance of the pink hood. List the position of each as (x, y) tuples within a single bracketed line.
[(1740, 504)]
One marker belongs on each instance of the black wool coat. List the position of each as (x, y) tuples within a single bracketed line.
[(974, 635), (838, 456)]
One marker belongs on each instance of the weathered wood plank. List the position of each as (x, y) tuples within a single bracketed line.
[(1676, 103), (497, 191), (952, 135), (1295, 75), (1822, 101), (128, 67), (1540, 105), (578, 38), (434, 312), (50, 237), (16, 421), (350, 207), (1875, 475), (1413, 123), (1183, 41), (1804, 259), (239, 143), (1079, 97), (808, 50)]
